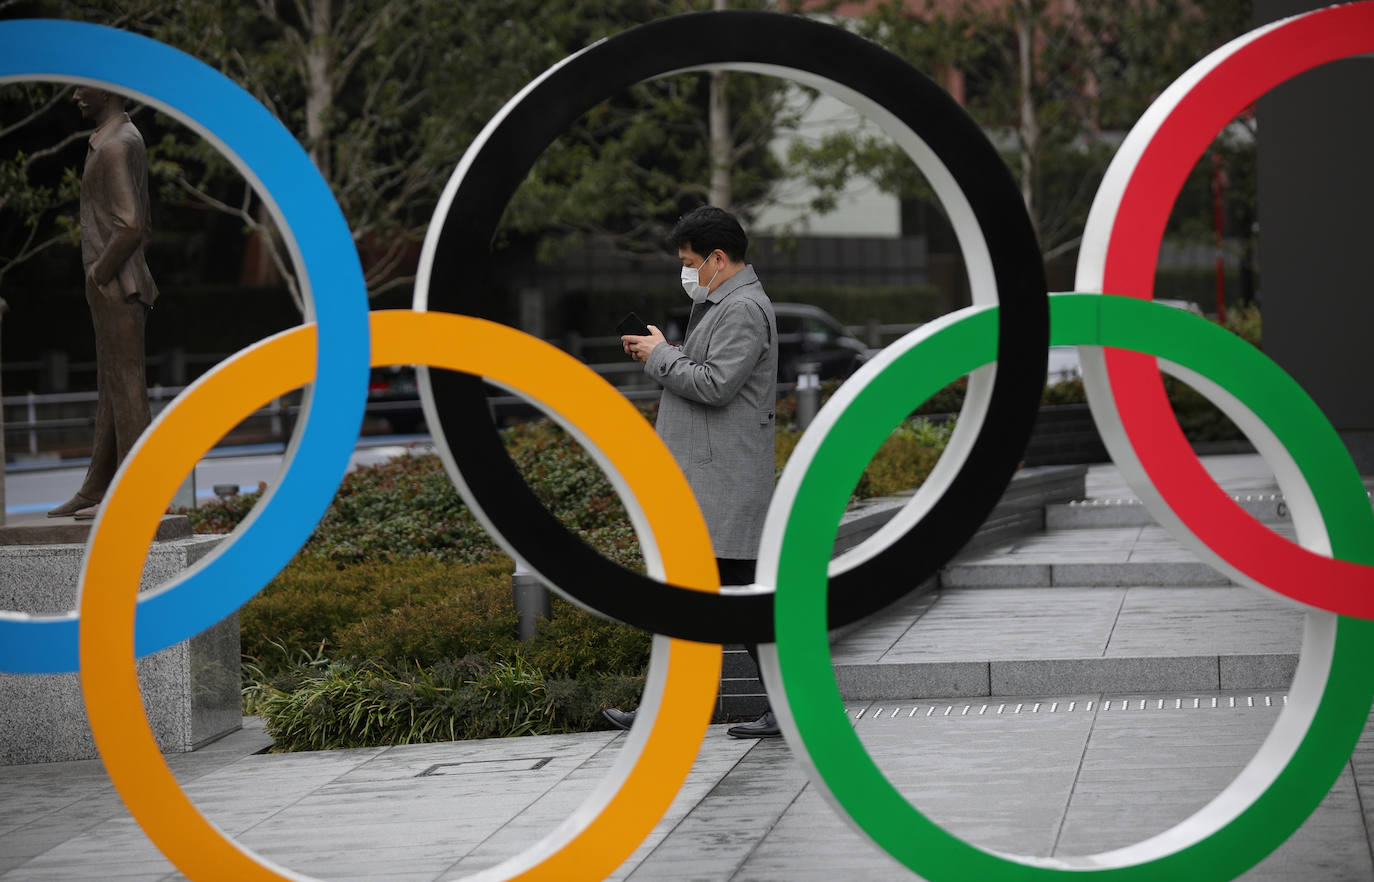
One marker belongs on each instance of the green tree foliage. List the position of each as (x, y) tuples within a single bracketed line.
[(1053, 85), (386, 95)]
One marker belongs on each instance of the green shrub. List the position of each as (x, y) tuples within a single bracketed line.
[(950, 399), (1200, 419), (408, 507), (313, 601), (576, 643), (375, 703), (220, 515), (577, 703), (1247, 323), (1065, 392), (902, 463), (905, 458), (476, 615)]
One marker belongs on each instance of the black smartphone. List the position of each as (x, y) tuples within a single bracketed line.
[(633, 325)]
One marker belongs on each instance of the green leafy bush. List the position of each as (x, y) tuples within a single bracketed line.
[(475, 615), (950, 399), (370, 703), (1247, 323), (314, 601), (408, 507), (905, 458), (220, 515), (576, 643), (1064, 392)]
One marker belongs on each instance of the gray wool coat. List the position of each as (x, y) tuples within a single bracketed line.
[(717, 410)]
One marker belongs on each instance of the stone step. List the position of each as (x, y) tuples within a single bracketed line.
[(997, 573), (1267, 506), (1023, 641), (1131, 512), (1117, 556), (1095, 674)]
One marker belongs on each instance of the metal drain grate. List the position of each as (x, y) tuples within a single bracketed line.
[(1065, 706)]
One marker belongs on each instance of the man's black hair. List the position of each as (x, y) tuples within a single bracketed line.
[(707, 228)]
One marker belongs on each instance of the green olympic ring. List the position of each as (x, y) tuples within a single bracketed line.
[(1332, 690)]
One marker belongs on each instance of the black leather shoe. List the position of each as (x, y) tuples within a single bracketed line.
[(765, 726), (619, 718)]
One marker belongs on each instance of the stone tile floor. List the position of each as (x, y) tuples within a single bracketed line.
[(1049, 776)]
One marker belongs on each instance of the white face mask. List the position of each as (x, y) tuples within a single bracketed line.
[(691, 283)]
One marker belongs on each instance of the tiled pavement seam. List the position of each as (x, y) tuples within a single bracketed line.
[(736, 816)]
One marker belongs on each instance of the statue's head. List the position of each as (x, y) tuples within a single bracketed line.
[(94, 103)]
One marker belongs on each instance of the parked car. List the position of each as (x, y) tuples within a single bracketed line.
[(393, 393), (806, 334)]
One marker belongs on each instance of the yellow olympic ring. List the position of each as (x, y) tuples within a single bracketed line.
[(661, 747)]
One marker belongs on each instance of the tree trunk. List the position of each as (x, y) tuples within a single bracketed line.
[(1030, 127), (319, 86), (720, 193)]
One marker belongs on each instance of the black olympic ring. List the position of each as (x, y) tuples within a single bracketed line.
[(785, 45)]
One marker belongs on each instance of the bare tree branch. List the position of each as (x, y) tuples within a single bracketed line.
[(58, 97), (56, 148), (265, 232), (29, 250)]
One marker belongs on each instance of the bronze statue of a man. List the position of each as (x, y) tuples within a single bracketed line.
[(119, 289)]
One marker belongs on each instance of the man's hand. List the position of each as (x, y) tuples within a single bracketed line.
[(639, 348)]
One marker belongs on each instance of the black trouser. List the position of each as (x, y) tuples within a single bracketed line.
[(740, 571)]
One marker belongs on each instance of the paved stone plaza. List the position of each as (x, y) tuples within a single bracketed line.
[(1037, 719)]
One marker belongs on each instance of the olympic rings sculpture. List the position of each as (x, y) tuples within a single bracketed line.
[(1122, 340)]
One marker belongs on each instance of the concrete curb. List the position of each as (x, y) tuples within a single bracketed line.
[(968, 679)]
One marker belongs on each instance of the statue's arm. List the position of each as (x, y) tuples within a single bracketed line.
[(123, 164)]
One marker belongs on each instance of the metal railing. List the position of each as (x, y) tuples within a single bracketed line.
[(31, 418)]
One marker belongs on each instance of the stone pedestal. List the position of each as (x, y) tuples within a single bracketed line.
[(191, 690), (3, 306)]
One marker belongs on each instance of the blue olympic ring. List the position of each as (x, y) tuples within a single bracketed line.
[(322, 249)]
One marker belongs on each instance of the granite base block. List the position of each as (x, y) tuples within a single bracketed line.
[(1136, 573), (1272, 671), (1070, 675), (737, 708), (190, 690), (952, 679), (996, 575), (735, 662)]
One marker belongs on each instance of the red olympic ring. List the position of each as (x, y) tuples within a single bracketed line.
[(1174, 143)]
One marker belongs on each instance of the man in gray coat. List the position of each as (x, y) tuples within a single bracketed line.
[(119, 289), (719, 392)]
